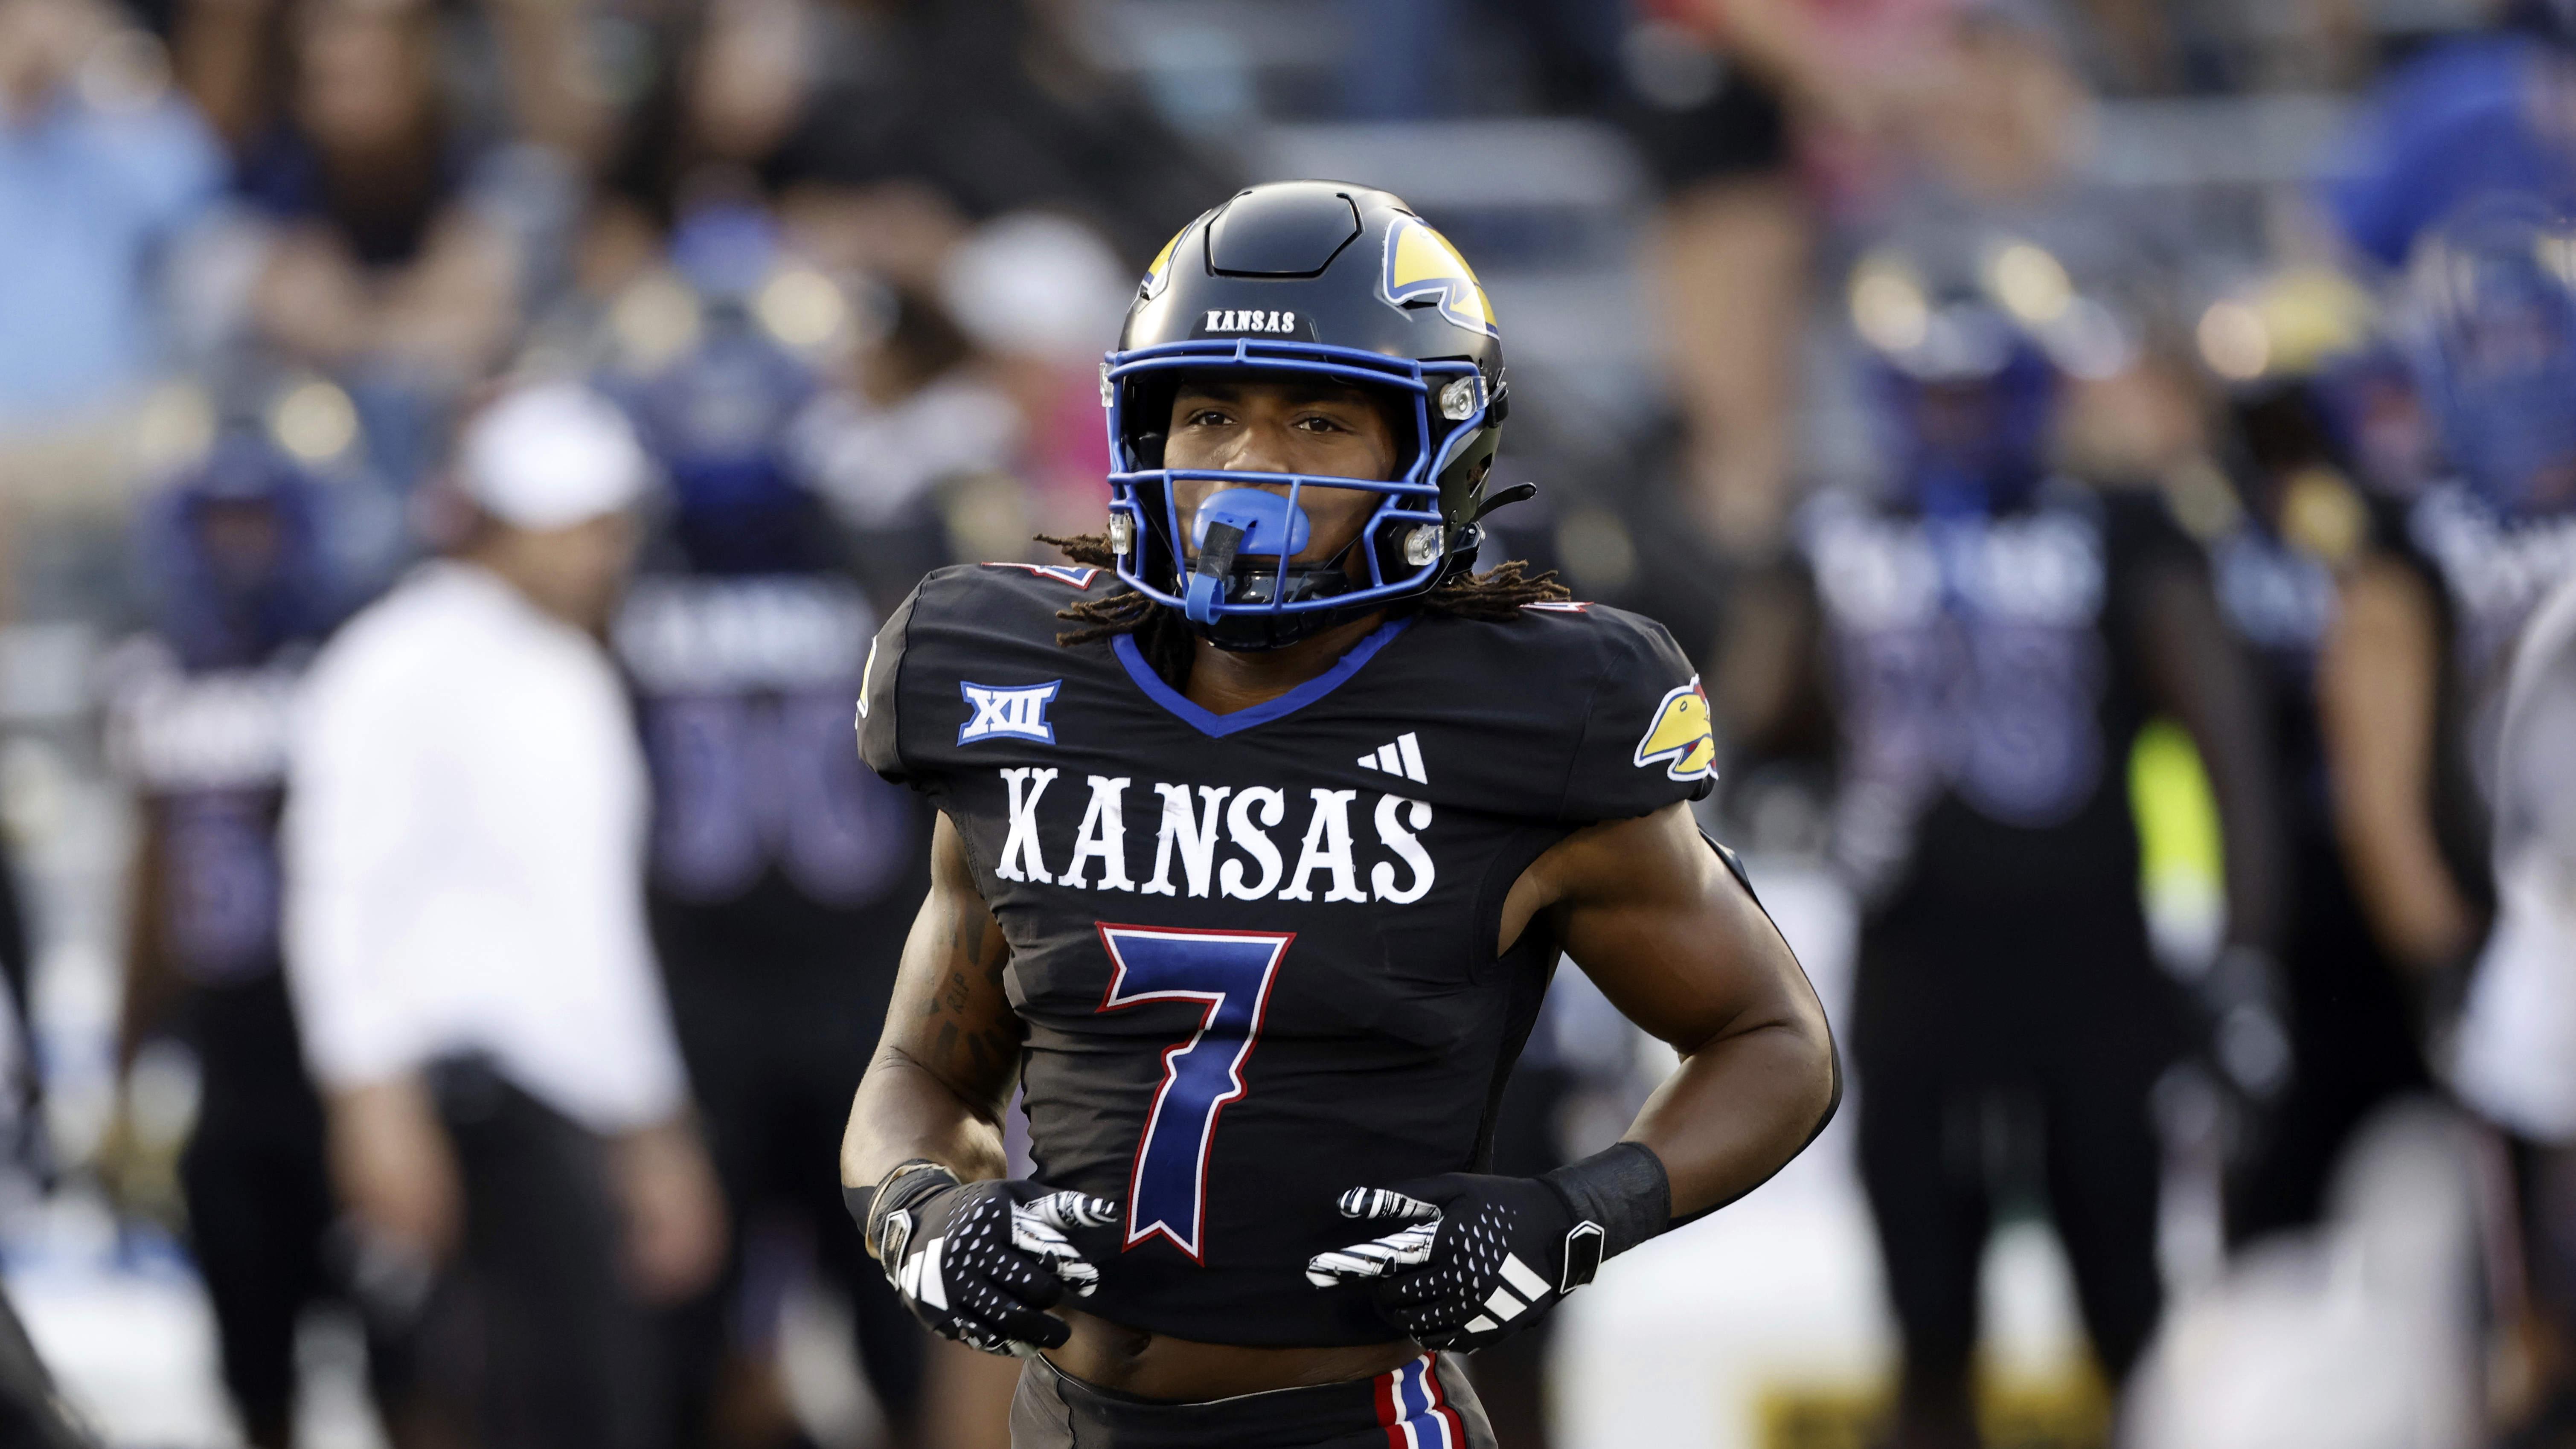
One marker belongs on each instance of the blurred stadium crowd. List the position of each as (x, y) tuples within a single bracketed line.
[(2111, 459)]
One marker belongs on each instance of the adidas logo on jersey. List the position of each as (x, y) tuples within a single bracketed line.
[(1404, 757)]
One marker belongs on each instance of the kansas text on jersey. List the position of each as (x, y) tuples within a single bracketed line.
[(1255, 951)]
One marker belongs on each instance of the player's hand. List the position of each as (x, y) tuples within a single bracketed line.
[(981, 1262), (1470, 1260), (395, 1169), (674, 1211)]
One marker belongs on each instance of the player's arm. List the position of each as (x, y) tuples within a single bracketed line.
[(1651, 912), (152, 989), (2195, 673), (943, 1071), (1653, 915), (976, 1257), (2377, 679)]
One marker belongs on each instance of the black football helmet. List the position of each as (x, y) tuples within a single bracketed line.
[(1326, 280)]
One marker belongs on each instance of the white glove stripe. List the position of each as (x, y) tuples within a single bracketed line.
[(1326, 1269), (1031, 1236), (1377, 1202), (1504, 1306), (1481, 1324), (1034, 1237), (1529, 1284), (1069, 1209), (934, 1290), (1376, 1258)]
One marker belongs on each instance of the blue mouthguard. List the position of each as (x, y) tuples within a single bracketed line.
[(1261, 523)]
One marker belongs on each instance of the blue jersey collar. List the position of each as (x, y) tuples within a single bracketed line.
[(1218, 726)]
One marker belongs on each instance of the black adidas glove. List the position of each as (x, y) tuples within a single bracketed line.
[(981, 1262), (1480, 1258)]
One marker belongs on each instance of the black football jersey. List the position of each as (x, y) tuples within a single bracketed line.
[(1988, 688), (778, 862), (206, 751), (1255, 951)]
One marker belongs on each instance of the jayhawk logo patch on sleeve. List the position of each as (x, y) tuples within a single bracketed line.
[(1679, 737), (1421, 265)]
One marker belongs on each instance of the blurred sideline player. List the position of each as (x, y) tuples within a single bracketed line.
[(2522, 1024), (197, 723), (1996, 635), (2377, 809), (2497, 359), (783, 871), (507, 1119), (1253, 878)]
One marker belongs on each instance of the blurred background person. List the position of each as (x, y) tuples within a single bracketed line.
[(1996, 634), (2375, 802), (2495, 313), (101, 167), (2488, 112), (1708, 91), (197, 720), (508, 1120), (99, 164), (2522, 1017), (1765, 122), (399, 235), (783, 873)]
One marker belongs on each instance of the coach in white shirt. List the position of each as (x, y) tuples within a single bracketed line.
[(466, 937)]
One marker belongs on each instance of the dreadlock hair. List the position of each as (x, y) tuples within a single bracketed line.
[(1492, 597)]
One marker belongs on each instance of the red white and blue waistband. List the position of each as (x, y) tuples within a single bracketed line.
[(1415, 1409)]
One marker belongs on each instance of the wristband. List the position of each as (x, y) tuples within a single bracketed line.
[(1621, 1196), (906, 1183)]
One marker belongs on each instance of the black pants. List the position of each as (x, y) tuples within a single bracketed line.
[(2021, 1067), (2353, 1049), (1426, 1404), (1933, 1144), (774, 1064), (258, 1193), (531, 1340), (259, 1213)]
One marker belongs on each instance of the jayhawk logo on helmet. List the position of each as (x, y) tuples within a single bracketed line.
[(1680, 733), (1421, 264), (1159, 275)]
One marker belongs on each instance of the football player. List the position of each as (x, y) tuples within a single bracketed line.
[(1998, 635), (197, 715), (2304, 526), (1251, 881), (782, 870), (2496, 355)]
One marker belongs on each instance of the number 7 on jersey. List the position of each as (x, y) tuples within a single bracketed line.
[(1230, 973)]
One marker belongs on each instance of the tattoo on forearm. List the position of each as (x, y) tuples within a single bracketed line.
[(966, 1048)]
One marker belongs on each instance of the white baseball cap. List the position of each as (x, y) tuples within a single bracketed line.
[(551, 454)]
